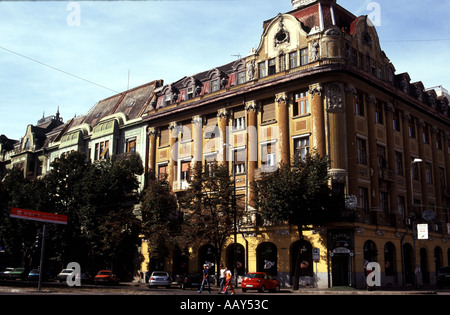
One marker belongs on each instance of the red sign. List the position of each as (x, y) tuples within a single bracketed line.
[(38, 216)]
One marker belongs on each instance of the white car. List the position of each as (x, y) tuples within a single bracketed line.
[(62, 276), (159, 279)]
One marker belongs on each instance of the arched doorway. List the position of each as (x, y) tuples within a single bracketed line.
[(301, 256), (408, 263), (266, 254), (240, 258), (424, 266), (438, 259), (390, 268), (301, 252)]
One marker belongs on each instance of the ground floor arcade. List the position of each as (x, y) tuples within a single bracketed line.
[(332, 256)]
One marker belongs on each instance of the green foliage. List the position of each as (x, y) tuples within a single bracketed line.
[(297, 193), (98, 198), (160, 217)]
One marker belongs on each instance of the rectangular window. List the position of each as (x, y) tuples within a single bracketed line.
[(304, 56), (262, 69), (268, 156), (215, 85), (426, 135), (239, 161), (130, 146), (301, 146), (359, 104), (379, 113), (239, 119), (428, 173), (190, 93), (185, 170), (396, 120), (362, 153), (163, 171), (268, 110), (101, 150), (412, 128), (272, 66), (241, 77), (398, 163), (293, 60), (364, 199), (301, 106), (414, 169), (401, 205)]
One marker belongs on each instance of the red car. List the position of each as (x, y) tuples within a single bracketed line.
[(260, 281), (106, 277)]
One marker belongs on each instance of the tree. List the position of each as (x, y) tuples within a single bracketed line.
[(160, 218), (297, 193), (210, 207)]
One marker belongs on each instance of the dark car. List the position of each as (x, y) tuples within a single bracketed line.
[(190, 280), (18, 273), (443, 277), (5, 273), (260, 281)]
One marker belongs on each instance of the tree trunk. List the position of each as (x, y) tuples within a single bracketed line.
[(297, 261)]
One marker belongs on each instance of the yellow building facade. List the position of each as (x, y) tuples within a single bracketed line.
[(318, 80)]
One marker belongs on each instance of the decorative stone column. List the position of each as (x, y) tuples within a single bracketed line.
[(282, 102), (317, 115), (173, 135), (423, 179), (197, 123), (352, 149), (222, 120), (373, 155), (389, 109), (252, 152), (151, 164), (335, 106)]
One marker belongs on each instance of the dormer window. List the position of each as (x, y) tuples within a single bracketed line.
[(190, 93), (272, 66), (167, 100), (215, 85)]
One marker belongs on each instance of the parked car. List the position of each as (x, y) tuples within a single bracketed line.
[(159, 278), (260, 281), (5, 273), (190, 280), (18, 273), (106, 277), (62, 276), (443, 277), (84, 277), (33, 275)]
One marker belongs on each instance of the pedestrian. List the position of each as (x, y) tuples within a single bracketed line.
[(222, 277), (205, 279), (228, 284)]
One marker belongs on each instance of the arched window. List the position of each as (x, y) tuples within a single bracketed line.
[(301, 253), (389, 259), (266, 254), (239, 262)]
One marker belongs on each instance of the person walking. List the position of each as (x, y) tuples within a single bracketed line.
[(228, 284), (205, 279), (222, 277)]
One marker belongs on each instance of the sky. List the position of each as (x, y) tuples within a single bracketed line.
[(72, 54)]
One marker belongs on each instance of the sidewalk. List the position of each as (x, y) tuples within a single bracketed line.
[(377, 291)]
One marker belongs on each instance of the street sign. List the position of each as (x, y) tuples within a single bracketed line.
[(422, 231), (38, 216), (316, 254)]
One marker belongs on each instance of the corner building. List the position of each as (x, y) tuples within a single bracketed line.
[(318, 80)]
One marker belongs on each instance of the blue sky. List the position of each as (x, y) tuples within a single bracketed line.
[(52, 56)]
